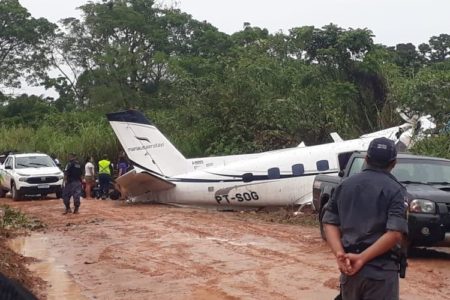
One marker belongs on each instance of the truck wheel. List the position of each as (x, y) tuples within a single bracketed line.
[(2, 193), (16, 195)]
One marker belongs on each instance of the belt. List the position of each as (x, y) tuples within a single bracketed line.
[(363, 246)]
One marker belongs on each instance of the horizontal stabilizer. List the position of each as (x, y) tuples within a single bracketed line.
[(133, 184), (301, 145), (336, 137)]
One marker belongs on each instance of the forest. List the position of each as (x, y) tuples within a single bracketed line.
[(210, 92)]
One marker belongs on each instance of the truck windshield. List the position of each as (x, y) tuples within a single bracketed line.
[(413, 170), (422, 171), (34, 162)]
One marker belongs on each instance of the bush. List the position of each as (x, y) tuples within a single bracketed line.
[(438, 146)]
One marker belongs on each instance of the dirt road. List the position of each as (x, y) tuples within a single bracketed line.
[(116, 251)]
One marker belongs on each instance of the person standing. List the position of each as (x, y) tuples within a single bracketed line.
[(89, 176), (364, 222), (56, 160), (122, 166), (72, 184), (105, 170)]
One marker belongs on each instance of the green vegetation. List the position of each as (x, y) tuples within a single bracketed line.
[(210, 92), (438, 146), (14, 219)]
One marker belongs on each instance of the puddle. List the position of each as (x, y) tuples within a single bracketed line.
[(60, 285)]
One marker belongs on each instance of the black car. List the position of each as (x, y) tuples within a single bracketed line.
[(427, 182)]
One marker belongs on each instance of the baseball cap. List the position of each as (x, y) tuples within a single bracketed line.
[(382, 151)]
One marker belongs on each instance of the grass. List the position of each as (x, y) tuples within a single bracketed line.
[(14, 219)]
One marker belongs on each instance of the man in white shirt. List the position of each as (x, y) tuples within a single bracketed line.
[(89, 176)]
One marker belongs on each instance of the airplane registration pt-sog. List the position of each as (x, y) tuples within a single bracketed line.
[(276, 178)]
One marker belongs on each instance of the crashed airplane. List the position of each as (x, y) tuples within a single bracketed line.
[(276, 178)]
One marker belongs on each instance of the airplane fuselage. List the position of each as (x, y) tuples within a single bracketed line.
[(276, 178)]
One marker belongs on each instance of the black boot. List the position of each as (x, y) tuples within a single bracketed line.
[(67, 211), (75, 211)]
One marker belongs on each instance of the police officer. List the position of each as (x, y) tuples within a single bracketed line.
[(72, 184), (105, 170), (364, 221)]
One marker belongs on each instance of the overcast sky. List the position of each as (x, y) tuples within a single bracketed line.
[(392, 21)]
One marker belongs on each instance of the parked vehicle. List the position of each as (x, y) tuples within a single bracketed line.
[(427, 182), (30, 174)]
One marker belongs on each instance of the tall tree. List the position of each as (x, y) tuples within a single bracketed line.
[(24, 44), (125, 46)]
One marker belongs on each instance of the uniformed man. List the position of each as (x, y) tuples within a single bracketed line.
[(364, 221), (72, 184), (105, 170)]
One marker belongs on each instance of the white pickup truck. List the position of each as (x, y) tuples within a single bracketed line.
[(30, 174)]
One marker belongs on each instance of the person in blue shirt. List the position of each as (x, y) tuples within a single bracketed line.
[(364, 221)]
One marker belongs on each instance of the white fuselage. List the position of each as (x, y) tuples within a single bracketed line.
[(275, 178), (221, 182)]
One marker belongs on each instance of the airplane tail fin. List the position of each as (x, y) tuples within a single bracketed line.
[(146, 146)]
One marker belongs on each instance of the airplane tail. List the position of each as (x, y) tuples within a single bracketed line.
[(146, 146)]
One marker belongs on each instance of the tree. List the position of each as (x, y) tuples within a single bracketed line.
[(406, 56), (440, 47), (124, 49), (23, 44), (25, 109)]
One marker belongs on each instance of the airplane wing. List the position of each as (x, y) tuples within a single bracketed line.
[(133, 184)]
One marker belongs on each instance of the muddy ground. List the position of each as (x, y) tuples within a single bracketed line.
[(112, 250)]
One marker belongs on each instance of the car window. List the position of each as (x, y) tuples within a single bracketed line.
[(357, 166), (34, 162), (343, 159), (8, 162)]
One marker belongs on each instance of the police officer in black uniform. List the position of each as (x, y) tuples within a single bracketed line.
[(72, 184), (364, 222)]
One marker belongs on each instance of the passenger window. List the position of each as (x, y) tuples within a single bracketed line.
[(247, 177), (273, 173), (298, 170), (322, 165)]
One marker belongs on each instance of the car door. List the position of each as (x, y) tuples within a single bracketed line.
[(7, 173)]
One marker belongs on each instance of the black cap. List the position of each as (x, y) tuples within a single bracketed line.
[(382, 151)]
